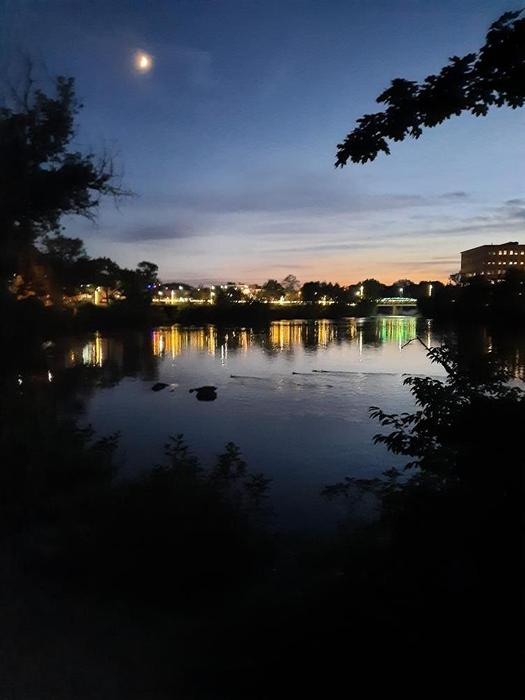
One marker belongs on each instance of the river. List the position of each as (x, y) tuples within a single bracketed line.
[(294, 397)]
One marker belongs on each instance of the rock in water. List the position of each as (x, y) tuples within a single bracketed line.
[(205, 393), (159, 386)]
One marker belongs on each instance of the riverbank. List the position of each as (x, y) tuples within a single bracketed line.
[(31, 318)]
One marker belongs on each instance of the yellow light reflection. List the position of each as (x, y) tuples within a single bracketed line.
[(287, 334), (175, 340), (95, 353)]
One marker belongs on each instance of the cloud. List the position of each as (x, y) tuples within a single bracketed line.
[(148, 232), (515, 202), (455, 195), (505, 220), (517, 214), (328, 247), (276, 192), (438, 262)]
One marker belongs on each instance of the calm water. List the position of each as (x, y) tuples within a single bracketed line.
[(303, 428)]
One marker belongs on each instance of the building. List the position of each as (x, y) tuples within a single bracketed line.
[(492, 261)]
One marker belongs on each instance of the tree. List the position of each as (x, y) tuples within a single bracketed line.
[(372, 289), (492, 77), (290, 283), (228, 295), (453, 518), (67, 250), (41, 177), (103, 272), (272, 290), (311, 291), (64, 260), (148, 272)]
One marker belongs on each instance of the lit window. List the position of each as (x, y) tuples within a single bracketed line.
[(499, 252)]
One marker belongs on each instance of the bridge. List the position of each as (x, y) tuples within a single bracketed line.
[(397, 306)]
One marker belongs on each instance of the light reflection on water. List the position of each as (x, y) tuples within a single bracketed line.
[(294, 396), (282, 335)]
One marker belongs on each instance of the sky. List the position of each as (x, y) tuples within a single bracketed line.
[(229, 141)]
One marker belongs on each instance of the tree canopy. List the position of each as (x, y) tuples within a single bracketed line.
[(42, 177), (492, 77)]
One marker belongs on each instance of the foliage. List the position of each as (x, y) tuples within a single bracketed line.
[(178, 526), (492, 77), (324, 291), (450, 517), (41, 177), (372, 288), (63, 249), (462, 428), (477, 298), (226, 297), (272, 290), (290, 283), (450, 523), (148, 272)]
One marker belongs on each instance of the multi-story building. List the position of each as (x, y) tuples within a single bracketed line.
[(492, 261)]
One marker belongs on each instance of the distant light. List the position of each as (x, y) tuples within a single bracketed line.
[(143, 62)]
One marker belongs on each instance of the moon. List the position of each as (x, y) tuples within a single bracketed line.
[(143, 61)]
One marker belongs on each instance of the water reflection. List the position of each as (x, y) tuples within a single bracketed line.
[(294, 395), (95, 353), (283, 336), (287, 338), (397, 330)]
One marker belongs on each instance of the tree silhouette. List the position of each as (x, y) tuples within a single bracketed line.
[(290, 283), (492, 77), (41, 177), (272, 289)]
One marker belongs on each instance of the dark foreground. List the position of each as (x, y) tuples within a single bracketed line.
[(175, 584)]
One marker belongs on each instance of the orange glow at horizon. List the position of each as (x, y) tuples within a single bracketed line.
[(387, 274)]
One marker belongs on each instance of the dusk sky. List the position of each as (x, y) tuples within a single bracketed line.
[(229, 140)]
